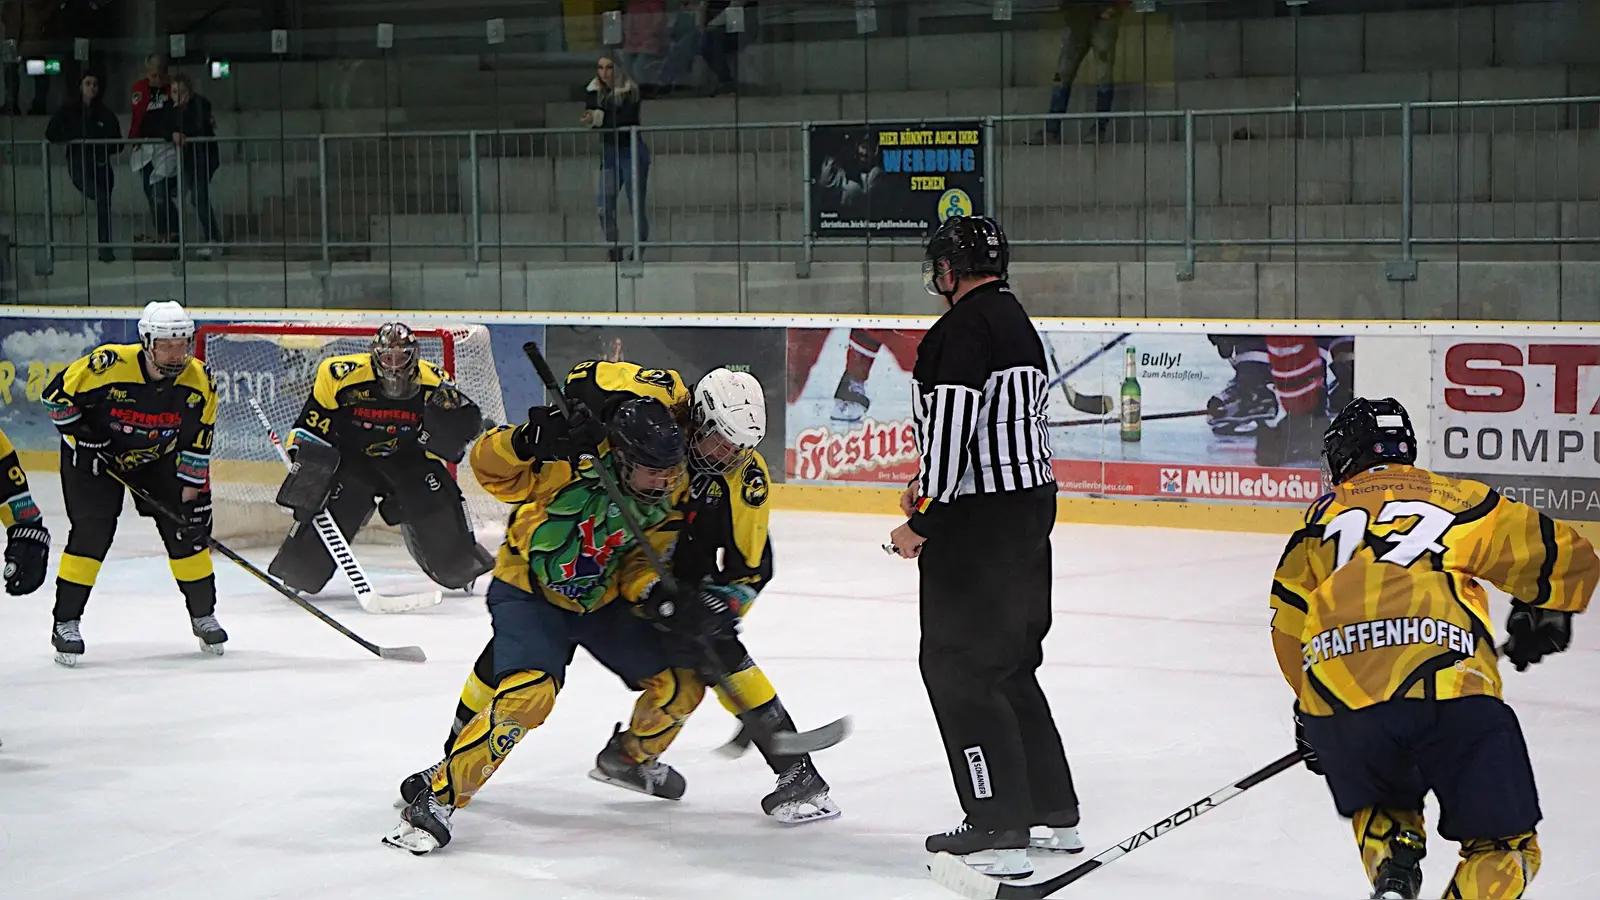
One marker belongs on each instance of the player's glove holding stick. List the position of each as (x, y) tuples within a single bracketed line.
[(712, 612), (27, 554), (550, 435), (89, 454), (196, 529), (1534, 632), (1308, 753)]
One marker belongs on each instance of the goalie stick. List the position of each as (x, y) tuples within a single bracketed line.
[(404, 654), (343, 557), (956, 875), (780, 743)]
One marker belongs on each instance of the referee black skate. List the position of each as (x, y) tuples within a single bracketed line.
[(980, 514)]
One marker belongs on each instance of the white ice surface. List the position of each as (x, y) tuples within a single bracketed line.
[(153, 771)]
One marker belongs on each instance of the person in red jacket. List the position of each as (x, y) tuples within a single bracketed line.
[(151, 94)]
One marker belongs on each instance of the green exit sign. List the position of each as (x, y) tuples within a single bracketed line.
[(44, 67), (221, 68)]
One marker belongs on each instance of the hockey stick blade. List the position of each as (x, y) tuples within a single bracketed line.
[(966, 881), (339, 549), (403, 654), (799, 743)]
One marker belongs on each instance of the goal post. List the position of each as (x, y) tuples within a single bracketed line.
[(275, 363)]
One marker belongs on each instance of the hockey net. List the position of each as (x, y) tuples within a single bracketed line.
[(276, 363)]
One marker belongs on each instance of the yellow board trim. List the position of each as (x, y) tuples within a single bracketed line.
[(1282, 520)]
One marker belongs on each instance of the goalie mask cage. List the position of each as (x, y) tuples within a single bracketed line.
[(276, 363)]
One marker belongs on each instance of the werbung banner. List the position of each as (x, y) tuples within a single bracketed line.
[(1523, 415)]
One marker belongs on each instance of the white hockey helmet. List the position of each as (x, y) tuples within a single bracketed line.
[(729, 419), (164, 320)]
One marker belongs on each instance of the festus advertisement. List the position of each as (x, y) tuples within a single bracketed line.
[(1225, 418), (1523, 415)]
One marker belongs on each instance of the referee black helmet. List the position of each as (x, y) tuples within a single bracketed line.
[(965, 246)]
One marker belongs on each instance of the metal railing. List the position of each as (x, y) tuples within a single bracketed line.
[(1386, 182)]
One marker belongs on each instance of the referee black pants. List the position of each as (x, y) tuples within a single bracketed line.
[(985, 609)]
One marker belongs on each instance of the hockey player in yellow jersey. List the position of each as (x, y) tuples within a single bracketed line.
[(141, 413), (27, 541), (1381, 628), (723, 546), (568, 575), (381, 424)]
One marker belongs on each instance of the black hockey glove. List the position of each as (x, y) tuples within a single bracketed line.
[(1308, 753), (1534, 633), (27, 553), (196, 529), (711, 613), (548, 435), (88, 455)]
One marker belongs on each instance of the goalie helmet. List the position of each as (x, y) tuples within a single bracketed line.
[(728, 419), (395, 358), (166, 320), (1365, 434), (648, 445)]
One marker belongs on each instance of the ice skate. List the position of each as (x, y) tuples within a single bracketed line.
[(424, 825), (801, 796), (415, 783), (1054, 840), (1400, 876), (656, 778), (68, 642), (1000, 854), (1244, 406), (850, 401), (211, 635)]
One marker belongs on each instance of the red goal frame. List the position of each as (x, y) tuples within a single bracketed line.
[(201, 333)]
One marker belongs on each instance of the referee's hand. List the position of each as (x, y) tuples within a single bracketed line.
[(909, 498), (906, 542)]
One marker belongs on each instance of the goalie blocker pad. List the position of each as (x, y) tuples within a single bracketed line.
[(450, 423), (310, 480)]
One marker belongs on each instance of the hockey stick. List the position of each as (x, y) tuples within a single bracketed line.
[(956, 875), (780, 743), (405, 654), (1093, 404), (1078, 366), (1112, 420), (339, 549)]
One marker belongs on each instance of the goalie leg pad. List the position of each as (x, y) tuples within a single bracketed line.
[(310, 481), (302, 561)]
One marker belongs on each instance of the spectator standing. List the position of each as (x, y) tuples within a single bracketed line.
[(644, 43), (30, 24), (612, 108), (151, 94), (89, 164), (719, 47), (1088, 27), (189, 115)]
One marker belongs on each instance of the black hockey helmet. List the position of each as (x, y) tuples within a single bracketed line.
[(965, 245), (395, 356), (1364, 434), (649, 446)]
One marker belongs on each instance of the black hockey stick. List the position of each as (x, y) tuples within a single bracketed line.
[(956, 875), (1093, 404), (1078, 366), (404, 654), (1112, 420), (780, 743)]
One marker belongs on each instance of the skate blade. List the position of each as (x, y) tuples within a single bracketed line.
[(213, 649), (954, 874), (1054, 844), (603, 778), (412, 840), (70, 660), (802, 812)]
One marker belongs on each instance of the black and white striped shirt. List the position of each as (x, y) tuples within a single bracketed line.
[(980, 404)]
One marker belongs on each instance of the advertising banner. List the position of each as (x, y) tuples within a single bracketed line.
[(1522, 415), (894, 180), (691, 351), (1157, 415)]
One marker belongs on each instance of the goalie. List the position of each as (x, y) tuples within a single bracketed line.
[(375, 434)]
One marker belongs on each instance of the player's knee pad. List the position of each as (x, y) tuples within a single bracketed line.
[(521, 703), (1495, 868), (752, 687), (79, 570), (1376, 829), (194, 567), (668, 698)]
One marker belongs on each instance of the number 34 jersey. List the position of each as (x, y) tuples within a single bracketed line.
[(1378, 597)]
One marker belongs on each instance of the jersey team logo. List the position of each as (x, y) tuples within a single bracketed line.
[(342, 369), (101, 361), (755, 490)]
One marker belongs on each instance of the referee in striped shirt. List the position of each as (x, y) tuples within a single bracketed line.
[(980, 514)]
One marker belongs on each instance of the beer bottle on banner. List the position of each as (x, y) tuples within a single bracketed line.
[(1132, 416)]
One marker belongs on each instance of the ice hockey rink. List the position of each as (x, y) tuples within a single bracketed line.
[(153, 771)]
